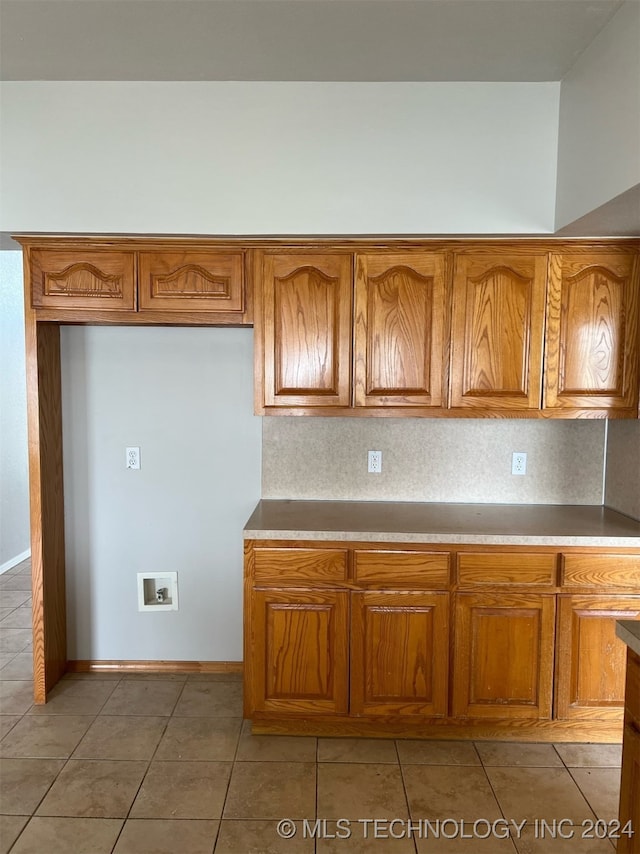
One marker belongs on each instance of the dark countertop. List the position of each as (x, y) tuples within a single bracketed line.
[(409, 522)]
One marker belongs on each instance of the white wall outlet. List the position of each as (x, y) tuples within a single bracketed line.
[(133, 458), (374, 462), (519, 462)]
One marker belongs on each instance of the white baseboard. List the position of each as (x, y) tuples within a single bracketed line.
[(9, 564)]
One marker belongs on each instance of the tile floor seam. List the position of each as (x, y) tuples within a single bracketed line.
[(406, 794), (404, 787), (144, 776), (495, 795), (583, 793), (226, 794)]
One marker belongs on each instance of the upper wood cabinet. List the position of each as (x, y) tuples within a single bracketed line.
[(191, 281), (95, 279), (497, 330), (138, 282), (399, 329), (592, 331), (306, 329)]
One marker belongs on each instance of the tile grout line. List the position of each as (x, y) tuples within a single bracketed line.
[(495, 795), (226, 794), (404, 789), (149, 761)]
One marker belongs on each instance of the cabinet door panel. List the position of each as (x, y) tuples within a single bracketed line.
[(300, 659), (399, 330), (591, 659), (191, 281), (592, 332), (503, 654), (83, 279), (306, 303), (498, 322), (399, 653)]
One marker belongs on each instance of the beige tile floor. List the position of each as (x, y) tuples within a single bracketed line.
[(164, 765)]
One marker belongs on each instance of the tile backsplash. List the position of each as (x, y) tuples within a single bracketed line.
[(456, 460), (622, 485)]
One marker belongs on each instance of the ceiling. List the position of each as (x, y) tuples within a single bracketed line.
[(314, 40)]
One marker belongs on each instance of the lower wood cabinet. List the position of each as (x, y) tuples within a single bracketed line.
[(399, 653), (301, 651), (503, 655), (591, 659), (435, 641)]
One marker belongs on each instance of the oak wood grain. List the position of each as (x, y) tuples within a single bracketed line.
[(399, 653), (44, 418), (601, 570), (151, 666), (515, 569), (503, 655), (400, 314), (413, 569), (93, 279), (299, 566), (590, 669), (306, 335), (593, 324), (191, 281), (497, 334), (630, 774), (300, 651), (476, 729)]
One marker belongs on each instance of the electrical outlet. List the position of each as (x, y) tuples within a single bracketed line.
[(519, 462), (133, 458), (374, 462)]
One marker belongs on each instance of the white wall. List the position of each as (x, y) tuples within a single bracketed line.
[(278, 158), (433, 459), (14, 473), (599, 134), (184, 396)]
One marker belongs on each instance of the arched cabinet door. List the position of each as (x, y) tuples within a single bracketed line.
[(399, 329), (497, 330), (592, 331), (306, 329)]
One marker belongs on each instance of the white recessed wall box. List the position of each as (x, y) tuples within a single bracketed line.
[(157, 591)]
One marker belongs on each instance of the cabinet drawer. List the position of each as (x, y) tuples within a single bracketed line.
[(191, 281), (300, 566), (601, 570), (80, 279), (402, 569), (513, 568)]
